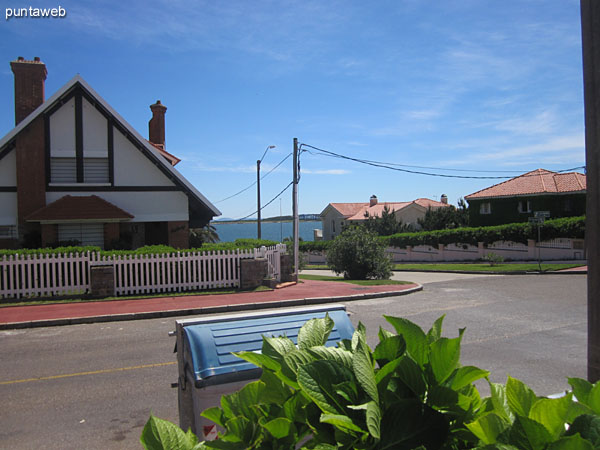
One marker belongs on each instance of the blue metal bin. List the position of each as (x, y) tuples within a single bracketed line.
[(207, 367)]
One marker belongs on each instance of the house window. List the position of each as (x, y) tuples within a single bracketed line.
[(95, 170), (8, 232), (84, 233), (524, 206), (64, 170), (333, 226), (485, 208)]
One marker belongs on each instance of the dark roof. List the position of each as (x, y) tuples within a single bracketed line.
[(79, 208)]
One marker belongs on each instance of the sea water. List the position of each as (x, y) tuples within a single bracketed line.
[(274, 231)]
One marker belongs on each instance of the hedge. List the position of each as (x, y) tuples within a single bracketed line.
[(568, 227), (242, 244)]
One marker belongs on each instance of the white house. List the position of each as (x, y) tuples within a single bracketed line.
[(74, 169), (337, 215)]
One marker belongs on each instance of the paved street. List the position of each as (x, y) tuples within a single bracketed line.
[(94, 386)]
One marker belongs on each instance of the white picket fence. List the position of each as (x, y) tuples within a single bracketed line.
[(23, 276)]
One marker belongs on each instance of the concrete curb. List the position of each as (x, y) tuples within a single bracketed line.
[(205, 310), (515, 272)]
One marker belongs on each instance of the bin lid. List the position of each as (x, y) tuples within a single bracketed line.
[(211, 343)]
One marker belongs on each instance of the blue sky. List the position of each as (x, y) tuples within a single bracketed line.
[(467, 85)]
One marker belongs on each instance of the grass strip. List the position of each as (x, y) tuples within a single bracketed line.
[(469, 267), (359, 282)]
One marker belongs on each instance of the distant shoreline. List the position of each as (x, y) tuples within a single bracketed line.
[(273, 220)]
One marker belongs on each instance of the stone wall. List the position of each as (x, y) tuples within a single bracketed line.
[(252, 272)]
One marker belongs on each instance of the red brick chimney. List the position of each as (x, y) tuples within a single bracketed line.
[(29, 86), (373, 200), (156, 126)]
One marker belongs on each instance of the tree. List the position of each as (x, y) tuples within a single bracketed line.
[(386, 224), (446, 217), (206, 235), (359, 255)]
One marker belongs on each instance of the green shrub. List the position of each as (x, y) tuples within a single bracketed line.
[(410, 392), (314, 246), (359, 255)]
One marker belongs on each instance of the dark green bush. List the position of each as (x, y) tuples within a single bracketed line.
[(314, 246), (359, 255)]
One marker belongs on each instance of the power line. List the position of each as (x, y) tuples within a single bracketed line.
[(396, 167), (268, 203), (254, 183)]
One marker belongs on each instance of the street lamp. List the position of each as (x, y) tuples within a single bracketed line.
[(258, 188)]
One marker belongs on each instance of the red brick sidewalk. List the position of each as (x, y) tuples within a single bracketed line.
[(307, 292)]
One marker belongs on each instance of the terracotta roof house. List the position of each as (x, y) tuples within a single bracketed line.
[(73, 169), (515, 200), (335, 216)]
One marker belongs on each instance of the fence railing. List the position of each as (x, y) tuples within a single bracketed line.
[(23, 276)]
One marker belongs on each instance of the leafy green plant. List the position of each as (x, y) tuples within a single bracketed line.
[(513, 417), (409, 392), (493, 259), (359, 255)]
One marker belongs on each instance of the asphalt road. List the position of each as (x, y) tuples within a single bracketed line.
[(93, 386)]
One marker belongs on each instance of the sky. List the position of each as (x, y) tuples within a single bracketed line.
[(468, 88)]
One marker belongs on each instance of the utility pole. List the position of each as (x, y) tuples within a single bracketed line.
[(295, 209), (590, 36), (258, 231)]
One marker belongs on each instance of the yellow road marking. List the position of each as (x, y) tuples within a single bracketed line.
[(93, 372)]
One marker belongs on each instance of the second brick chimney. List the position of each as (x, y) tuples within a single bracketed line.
[(30, 77), (156, 126)]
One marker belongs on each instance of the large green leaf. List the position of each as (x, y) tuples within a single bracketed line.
[(240, 429), (159, 434), (293, 360), (214, 414), (248, 396), (337, 354), (342, 422), (315, 332), (467, 375), (581, 389), (389, 349), (436, 330), (487, 428), (416, 340), (318, 380), (259, 360), (277, 347), (444, 357), (411, 375), (364, 371), (575, 442), (593, 400), (386, 370), (275, 390), (374, 419), (499, 402), (279, 427), (552, 413), (529, 434), (520, 397)]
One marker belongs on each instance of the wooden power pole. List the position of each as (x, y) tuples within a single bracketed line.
[(296, 217), (590, 32)]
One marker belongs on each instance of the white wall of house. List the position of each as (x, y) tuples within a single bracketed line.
[(62, 131), (410, 214), (145, 206), (132, 168), (332, 222), (8, 170), (95, 134)]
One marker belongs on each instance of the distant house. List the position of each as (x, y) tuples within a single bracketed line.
[(515, 200), (338, 215), (73, 169)]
